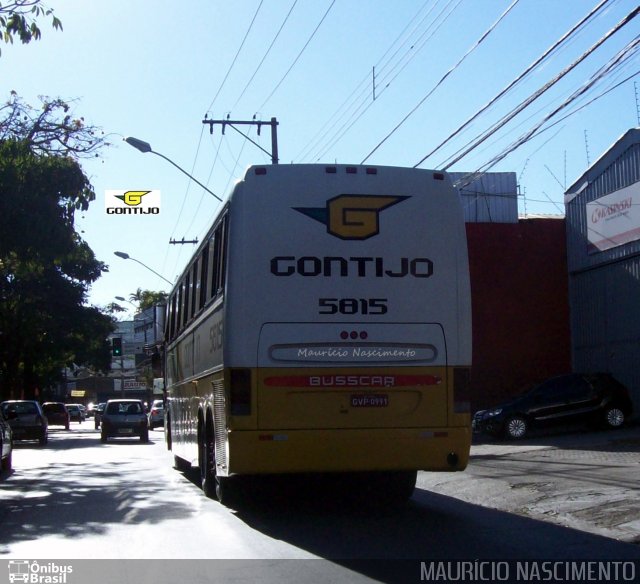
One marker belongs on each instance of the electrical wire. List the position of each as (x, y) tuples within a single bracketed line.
[(266, 53), (236, 56), (313, 34), (620, 58), (443, 78), (362, 103), (527, 102), (519, 78)]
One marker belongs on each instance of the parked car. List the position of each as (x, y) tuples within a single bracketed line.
[(565, 399), (97, 412), (76, 412), (156, 415), (27, 420), (123, 418), (57, 414), (6, 443)]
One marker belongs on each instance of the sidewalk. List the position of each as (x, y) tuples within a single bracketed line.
[(587, 480)]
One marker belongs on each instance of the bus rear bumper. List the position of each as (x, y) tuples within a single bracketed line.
[(301, 451)]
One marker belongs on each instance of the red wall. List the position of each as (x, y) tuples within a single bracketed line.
[(519, 288)]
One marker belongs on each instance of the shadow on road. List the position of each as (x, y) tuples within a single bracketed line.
[(62, 498)]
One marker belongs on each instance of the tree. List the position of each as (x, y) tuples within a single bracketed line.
[(19, 18), (148, 298), (45, 266), (52, 129)]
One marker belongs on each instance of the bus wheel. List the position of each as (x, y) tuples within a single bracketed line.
[(168, 434), (208, 467), (223, 490), (397, 487)]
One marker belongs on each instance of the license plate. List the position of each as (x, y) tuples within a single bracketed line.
[(378, 400), (124, 430)]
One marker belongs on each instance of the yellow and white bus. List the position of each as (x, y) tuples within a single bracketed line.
[(324, 325)]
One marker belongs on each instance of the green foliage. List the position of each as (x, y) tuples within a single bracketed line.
[(19, 19), (147, 298), (45, 266)]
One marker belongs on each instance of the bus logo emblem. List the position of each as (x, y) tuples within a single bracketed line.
[(352, 216)]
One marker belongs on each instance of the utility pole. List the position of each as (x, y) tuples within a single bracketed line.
[(233, 123)]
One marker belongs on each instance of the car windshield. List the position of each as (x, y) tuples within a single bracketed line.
[(116, 408), (53, 408), (20, 408)]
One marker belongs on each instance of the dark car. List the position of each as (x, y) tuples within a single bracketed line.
[(26, 419), (76, 412), (6, 443), (565, 399), (57, 414), (123, 418)]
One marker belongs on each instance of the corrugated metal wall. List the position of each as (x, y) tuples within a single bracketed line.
[(490, 198), (604, 287)]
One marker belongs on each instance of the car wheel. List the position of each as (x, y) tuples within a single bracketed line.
[(43, 439), (144, 437), (614, 417), (103, 437), (516, 428)]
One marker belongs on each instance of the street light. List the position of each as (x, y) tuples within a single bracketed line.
[(145, 147), (126, 256)]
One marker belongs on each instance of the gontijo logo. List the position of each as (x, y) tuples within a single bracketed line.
[(118, 202), (352, 216)]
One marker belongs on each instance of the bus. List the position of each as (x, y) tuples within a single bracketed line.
[(324, 326)]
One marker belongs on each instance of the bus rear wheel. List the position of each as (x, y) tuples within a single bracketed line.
[(208, 465)]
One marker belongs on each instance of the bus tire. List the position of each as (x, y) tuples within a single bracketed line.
[(167, 434), (223, 490), (208, 464)]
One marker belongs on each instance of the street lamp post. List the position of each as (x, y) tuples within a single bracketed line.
[(126, 256), (145, 147)]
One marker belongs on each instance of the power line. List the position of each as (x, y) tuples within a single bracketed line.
[(236, 57), (299, 55), (519, 78), (527, 102), (361, 102), (620, 58), (266, 53), (443, 78)]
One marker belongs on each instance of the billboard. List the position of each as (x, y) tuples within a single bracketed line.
[(614, 219)]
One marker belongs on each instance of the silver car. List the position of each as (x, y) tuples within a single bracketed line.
[(27, 420), (156, 415), (123, 418)]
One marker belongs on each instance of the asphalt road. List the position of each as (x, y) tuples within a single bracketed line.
[(79, 499)]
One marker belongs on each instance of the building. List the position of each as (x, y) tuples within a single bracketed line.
[(519, 290), (132, 372), (603, 256)]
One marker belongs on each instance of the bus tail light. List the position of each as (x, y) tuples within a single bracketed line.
[(240, 392), (461, 390)]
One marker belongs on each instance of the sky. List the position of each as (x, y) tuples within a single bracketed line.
[(349, 81)]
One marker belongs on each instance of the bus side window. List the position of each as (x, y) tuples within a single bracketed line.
[(215, 244), (194, 289), (173, 316), (222, 257), (185, 300), (204, 270)]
